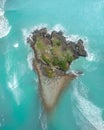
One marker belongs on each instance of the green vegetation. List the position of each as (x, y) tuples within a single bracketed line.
[(45, 59), (61, 64), (49, 72), (56, 42), (53, 55), (40, 44), (69, 57)]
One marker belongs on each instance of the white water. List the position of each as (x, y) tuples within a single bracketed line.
[(58, 27), (16, 45), (88, 116), (13, 85), (43, 119), (30, 60), (4, 24)]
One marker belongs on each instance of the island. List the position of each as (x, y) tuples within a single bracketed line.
[(53, 57)]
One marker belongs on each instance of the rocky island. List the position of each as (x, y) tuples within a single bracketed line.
[(53, 57)]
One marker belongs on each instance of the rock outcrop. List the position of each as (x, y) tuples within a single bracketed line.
[(53, 56)]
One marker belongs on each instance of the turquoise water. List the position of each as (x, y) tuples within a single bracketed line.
[(81, 106)]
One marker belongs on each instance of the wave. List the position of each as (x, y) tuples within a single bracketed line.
[(13, 86), (87, 114), (26, 32), (57, 27), (4, 24), (12, 82), (91, 56), (30, 60), (43, 119)]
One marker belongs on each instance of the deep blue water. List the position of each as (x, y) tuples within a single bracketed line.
[(81, 106)]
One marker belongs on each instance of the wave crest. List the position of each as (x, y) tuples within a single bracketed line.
[(87, 115), (4, 24)]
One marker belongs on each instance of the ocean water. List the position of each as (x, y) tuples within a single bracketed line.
[(81, 106)]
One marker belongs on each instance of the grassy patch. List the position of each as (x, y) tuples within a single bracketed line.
[(56, 42), (46, 59), (54, 56), (50, 73)]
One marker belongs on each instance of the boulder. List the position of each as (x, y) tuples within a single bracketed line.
[(60, 33), (80, 48), (43, 31), (48, 36), (72, 46)]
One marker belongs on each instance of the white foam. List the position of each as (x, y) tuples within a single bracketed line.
[(27, 32), (14, 88), (91, 56), (43, 119), (90, 112), (14, 83), (4, 24), (30, 60), (16, 45), (58, 27), (73, 38), (25, 35)]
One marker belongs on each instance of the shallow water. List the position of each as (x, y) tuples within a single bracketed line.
[(81, 105)]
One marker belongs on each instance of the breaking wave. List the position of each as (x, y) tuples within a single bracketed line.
[(13, 82), (30, 60), (88, 116), (43, 119), (4, 24), (59, 27), (14, 88)]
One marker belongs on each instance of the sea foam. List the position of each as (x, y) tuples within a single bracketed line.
[(16, 45), (30, 58), (88, 116), (43, 119), (4, 24), (13, 86)]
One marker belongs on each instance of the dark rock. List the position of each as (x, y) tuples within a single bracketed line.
[(54, 34), (59, 36), (60, 33), (72, 46), (35, 32), (80, 48), (79, 72), (34, 38), (28, 40), (48, 36), (77, 49), (75, 55), (43, 31)]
